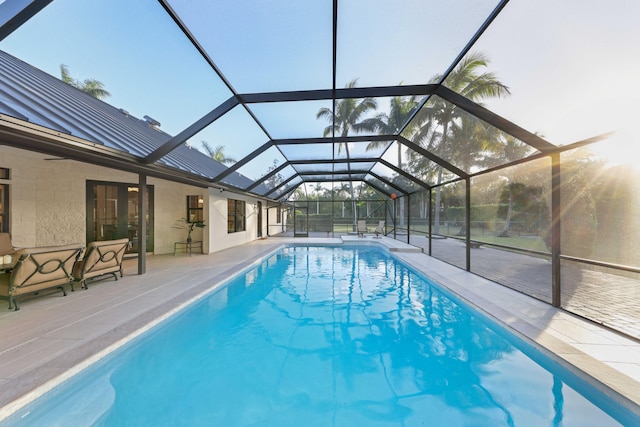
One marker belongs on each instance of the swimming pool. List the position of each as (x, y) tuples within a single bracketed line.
[(325, 336)]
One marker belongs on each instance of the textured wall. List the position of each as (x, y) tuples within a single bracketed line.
[(48, 201)]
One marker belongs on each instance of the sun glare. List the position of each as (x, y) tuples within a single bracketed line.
[(619, 149)]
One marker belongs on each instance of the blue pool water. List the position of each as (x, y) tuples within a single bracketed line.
[(325, 336)]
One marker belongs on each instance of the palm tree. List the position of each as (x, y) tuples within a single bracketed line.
[(468, 80), (91, 87), (510, 149), (317, 189), (390, 124), (217, 153), (348, 113), (339, 192)]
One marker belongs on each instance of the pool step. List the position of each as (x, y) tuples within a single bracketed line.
[(391, 244)]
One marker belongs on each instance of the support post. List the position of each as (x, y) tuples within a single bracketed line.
[(467, 220), (408, 215), (430, 220), (556, 229), (142, 224)]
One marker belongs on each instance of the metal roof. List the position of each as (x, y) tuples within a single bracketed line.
[(29, 94)]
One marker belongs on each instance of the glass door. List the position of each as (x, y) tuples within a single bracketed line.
[(301, 221), (259, 208), (112, 213)]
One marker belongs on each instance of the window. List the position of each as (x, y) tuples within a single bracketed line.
[(194, 209), (4, 202), (278, 215), (235, 215)]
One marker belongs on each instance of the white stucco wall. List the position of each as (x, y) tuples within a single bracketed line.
[(48, 204), (218, 210)]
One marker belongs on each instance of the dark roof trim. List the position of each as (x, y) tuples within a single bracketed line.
[(32, 137), (267, 176), (196, 127), (244, 161), (404, 174), (390, 184), (330, 140), (66, 146), (378, 189), (14, 13), (323, 161), (283, 183), (495, 120), (418, 149), (326, 94), (494, 14)]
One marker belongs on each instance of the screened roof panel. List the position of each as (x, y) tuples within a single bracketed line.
[(370, 116), (315, 167), (290, 42), (262, 164), (338, 176), (467, 142), (291, 119), (396, 154), (285, 188), (381, 186), (428, 171), (236, 131), (304, 151), (360, 150), (156, 72), (392, 176), (275, 180), (385, 43), (568, 67)]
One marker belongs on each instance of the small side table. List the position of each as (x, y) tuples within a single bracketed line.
[(187, 246)]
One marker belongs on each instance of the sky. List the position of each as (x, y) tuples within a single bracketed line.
[(570, 65)]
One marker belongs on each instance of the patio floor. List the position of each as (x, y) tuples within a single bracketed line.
[(53, 337)]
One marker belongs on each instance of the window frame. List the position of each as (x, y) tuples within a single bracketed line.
[(236, 216), (195, 208), (5, 175)]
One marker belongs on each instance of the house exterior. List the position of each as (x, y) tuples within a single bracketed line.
[(51, 199)]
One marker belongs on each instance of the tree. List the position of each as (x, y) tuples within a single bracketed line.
[(274, 180), (91, 87), (217, 153), (347, 117), (439, 116), (317, 190), (510, 149), (401, 108)]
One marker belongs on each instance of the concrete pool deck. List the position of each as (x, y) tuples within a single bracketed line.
[(52, 337)]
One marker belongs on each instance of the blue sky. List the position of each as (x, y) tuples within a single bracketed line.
[(570, 66)]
